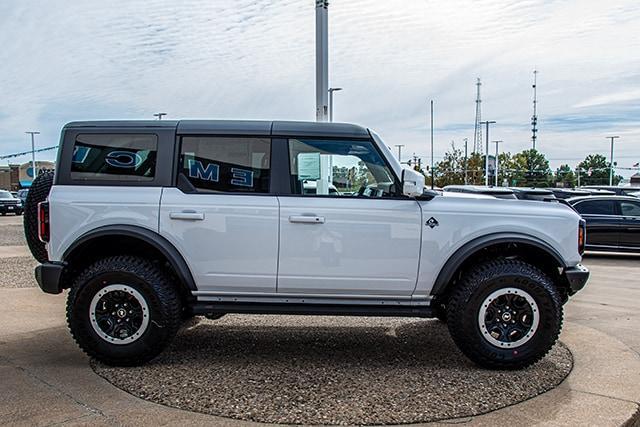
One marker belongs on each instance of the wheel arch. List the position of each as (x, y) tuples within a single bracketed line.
[(109, 240), (527, 247)]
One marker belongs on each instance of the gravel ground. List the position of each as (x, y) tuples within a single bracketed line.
[(17, 272), (329, 370), (12, 235)]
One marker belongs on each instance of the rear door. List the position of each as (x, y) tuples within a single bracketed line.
[(222, 216), (603, 222), (630, 228), (344, 230)]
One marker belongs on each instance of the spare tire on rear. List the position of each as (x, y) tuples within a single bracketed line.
[(38, 192)]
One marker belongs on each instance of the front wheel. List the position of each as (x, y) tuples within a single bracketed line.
[(505, 314), (123, 310)]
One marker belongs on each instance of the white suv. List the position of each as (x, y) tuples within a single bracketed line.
[(149, 223)]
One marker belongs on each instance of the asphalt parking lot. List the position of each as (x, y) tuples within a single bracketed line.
[(46, 380)]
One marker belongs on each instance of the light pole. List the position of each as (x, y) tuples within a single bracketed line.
[(331, 90), (33, 153), (159, 115), (611, 165), (486, 156), (322, 59), (497, 142), (399, 152), (466, 161)]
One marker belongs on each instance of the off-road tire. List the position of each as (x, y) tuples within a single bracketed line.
[(480, 282), (38, 192), (153, 285)]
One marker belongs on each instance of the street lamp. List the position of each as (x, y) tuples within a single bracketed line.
[(497, 142), (466, 161), (331, 90), (399, 152), (159, 115), (486, 156), (33, 153), (611, 165)]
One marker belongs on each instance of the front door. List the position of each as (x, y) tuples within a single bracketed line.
[(345, 230), (221, 217)]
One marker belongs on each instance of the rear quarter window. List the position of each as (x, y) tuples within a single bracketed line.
[(114, 157)]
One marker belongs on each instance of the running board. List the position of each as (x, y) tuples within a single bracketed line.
[(201, 308)]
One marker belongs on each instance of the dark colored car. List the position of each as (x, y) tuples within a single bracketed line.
[(618, 191), (613, 222), (9, 204), (567, 193), (528, 193), (497, 192)]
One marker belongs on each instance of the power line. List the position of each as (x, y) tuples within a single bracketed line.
[(8, 156)]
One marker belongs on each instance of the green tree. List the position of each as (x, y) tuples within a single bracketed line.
[(450, 170), (531, 169), (565, 177), (594, 170)]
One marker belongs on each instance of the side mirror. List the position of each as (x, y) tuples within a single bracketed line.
[(412, 183)]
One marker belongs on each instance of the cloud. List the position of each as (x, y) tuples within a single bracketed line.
[(66, 60)]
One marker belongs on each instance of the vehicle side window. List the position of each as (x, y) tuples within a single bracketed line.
[(340, 168), (596, 207), (630, 208), (114, 157), (227, 164)]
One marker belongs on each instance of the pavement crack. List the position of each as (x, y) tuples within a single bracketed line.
[(53, 387), (599, 395)]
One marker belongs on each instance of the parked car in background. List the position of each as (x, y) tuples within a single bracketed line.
[(619, 191), (497, 192), (613, 222), (22, 194), (597, 192), (9, 204), (567, 193), (529, 193)]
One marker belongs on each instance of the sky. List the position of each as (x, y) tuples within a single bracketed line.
[(73, 60)]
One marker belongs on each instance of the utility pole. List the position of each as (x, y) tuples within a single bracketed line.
[(466, 161), (159, 115), (400, 152), (432, 171), (497, 167), (486, 156), (322, 59), (611, 158), (579, 169), (33, 154), (331, 90), (534, 118)]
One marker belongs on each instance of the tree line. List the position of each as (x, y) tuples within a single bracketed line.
[(529, 168)]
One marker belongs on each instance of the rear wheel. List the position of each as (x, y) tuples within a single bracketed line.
[(505, 314), (123, 310)]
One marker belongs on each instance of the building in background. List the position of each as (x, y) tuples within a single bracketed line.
[(15, 177), (26, 174)]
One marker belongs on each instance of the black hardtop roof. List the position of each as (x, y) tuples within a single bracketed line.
[(236, 127)]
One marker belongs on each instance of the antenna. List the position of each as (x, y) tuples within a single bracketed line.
[(477, 131), (534, 118)]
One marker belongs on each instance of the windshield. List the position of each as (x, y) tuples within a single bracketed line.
[(5, 195)]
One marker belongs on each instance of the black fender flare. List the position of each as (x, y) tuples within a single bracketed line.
[(468, 249), (166, 248)]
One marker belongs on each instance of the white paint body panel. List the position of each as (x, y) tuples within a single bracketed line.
[(363, 247), (234, 249), (462, 220), (78, 209)]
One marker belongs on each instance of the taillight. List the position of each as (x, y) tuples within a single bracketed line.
[(582, 236), (43, 221)]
